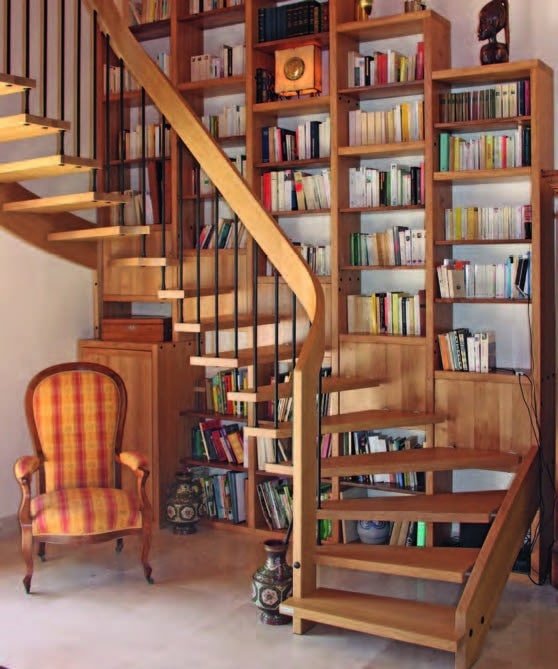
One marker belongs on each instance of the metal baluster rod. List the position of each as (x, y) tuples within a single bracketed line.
[(121, 182), (8, 37), (78, 78), (142, 176), (235, 284), (62, 73), (180, 231), (163, 220), (198, 215), (255, 322), (108, 184), (216, 267), (95, 102), (27, 54), (45, 55)]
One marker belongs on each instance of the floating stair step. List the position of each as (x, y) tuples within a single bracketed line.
[(27, 126), (225, 323), (422, 623), (177, 294), (95, 234), (330, 384), (245, 358), (452, 565), (143, 262), (413, 460), (460, 507), (72, 202), (373, 419), (46, 166), (10, 84)]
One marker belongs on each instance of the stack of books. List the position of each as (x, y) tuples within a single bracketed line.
[(504, 222), (224, 495), (395, 313), (215, 441), (464, 351), (500, 101), (293, 190), (397, 246), (388, 67), (311, 139), (400, 186), (487, 152), (299, 18)]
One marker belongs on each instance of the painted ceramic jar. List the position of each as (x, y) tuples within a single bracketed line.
[(272, 583)]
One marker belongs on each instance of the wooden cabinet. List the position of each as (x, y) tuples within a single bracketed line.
[(156, 377)]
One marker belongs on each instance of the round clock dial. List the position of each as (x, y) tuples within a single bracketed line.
[(294, 68)]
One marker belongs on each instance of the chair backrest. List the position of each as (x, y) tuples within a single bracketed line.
[(76, 413)]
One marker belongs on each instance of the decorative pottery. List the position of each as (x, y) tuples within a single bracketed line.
[(363, 9), (272, 583), (184, 503), (373, 531)]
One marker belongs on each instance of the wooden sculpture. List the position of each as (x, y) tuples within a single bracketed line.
[(493, 18)]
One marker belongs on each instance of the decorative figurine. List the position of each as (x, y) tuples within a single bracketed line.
[(493, 18), (363, 9)]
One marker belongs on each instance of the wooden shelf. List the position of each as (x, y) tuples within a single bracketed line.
[(384, 91), (144, 32), (383, 150), (201, 413), (381, 210), (271, 280), (484, 124), (231, 140), (294, 107), (222, 86), (319, 39), (216, 18), (387, 27), (206, 253), (488, 74), (400, 340), (381, 268), (497, 376), (135, 162), (215, 464), (384, 487), (484, 175), (301, 212), (480, 300), (308, 162), (480, 242)]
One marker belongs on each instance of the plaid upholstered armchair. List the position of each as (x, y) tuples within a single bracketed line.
[(76, 414)]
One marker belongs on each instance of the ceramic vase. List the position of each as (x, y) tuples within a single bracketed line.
[(373, 531), (272, 583), (184, 503), (363, 9)]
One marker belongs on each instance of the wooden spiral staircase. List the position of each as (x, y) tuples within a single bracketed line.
[(482, 573)]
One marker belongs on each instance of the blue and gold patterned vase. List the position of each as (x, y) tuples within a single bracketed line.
[(272, 583)]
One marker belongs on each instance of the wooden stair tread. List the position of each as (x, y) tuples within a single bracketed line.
[(26, 126), (420, 460), (245, 358), (465, 507), (225, 323), (143, 262), (72, 202), (11, 83), (451, 565), (93, 234), (179, 294), (422, 623), (45, 166), (372, 419), (330, 384)]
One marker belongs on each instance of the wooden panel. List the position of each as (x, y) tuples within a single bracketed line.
[(94, 234), (441, 564), (487, 74), (72, 202), (383, 150), (464, 507), (142, 262), (421, 623), (483, 415)]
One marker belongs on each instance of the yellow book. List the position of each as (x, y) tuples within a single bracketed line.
[(405, 122)]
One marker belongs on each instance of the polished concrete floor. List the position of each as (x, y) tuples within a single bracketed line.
[(91, 609)]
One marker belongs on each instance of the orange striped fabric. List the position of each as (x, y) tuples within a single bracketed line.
[(81, 511), (76, 414)]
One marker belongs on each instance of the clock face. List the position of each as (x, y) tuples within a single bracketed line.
[(294, 68)]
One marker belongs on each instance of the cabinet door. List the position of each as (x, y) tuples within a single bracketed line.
[(136, 370)]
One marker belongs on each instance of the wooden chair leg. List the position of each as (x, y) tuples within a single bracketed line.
[(27, 550), (119, 545), (145, 548), (41, 552)]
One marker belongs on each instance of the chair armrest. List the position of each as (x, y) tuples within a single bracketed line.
[(26, 466), (133, 460)]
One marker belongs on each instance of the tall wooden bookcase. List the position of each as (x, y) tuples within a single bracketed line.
[(484, 410)]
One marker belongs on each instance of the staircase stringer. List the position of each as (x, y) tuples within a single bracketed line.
[(488, 578), (281, 253), (35, 228)]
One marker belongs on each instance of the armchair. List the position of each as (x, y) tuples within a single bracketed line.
[(76, 414)]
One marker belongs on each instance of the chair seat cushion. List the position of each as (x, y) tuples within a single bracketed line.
[(82, 511)]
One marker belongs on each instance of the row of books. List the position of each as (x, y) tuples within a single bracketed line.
[(485, 152), (500, 101), (395, 313), (215, 441), (311, 139), (463, 351), (293, 190), (506, 222), (285, 404), (317, 256), (403, 123), (219, 385), (388, 67), (396, 246), (133, 146), (508, 280), (276, 502), (132, 212), (224, 495), (265, 85), (299, 18), (230, 63), (224, 237), (370, 441), (199, 6), (238, 160), (231, 122), (162, 59), (148, 11), (399, 186)]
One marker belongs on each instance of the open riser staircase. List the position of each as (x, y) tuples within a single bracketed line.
[(232, 328)]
